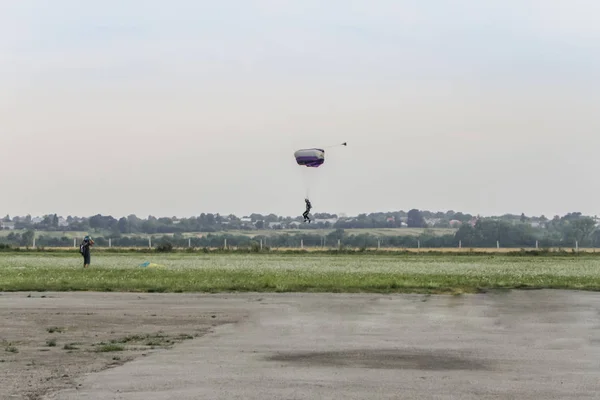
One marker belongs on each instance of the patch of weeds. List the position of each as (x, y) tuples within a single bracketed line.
[(110, 347), (70, 346), (156, 342), (51, 342), (11, 349), (131, 339), (56, 329), (184, 336), (152, 340)]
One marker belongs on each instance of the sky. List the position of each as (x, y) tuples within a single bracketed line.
[(188, 106)]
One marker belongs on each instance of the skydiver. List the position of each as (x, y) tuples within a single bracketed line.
[(84, 249), (308, 208)]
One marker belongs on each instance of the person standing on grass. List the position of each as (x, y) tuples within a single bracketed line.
[(84, 249)]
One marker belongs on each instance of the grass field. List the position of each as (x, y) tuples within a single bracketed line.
[(57, 234), (262, 232), (382, 232), (181, 272)]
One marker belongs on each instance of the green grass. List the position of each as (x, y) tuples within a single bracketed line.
[(110, 347), (51, 234), (371, 231), (199, 272), (262, 232)]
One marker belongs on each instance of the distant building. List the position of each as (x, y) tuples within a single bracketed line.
[(455, 223), (7, 225), (332, 221), (432, 221)]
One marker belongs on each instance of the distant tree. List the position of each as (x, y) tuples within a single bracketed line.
[(27, 238), (47, 221), (415, 219), (271, 218), (336, 235), (135, 223), (210, 219), (123, 225), (256, 217), (579, 230), (101, 222), (165, 221), (149, 226)]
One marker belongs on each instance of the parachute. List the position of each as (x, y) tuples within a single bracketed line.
[(311, 158)]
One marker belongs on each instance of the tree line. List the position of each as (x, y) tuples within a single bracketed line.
[(211, 223), (567, 232)]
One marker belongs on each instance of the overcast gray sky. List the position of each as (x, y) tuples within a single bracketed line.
[(190, 106)]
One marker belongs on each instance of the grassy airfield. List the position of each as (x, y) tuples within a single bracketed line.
[(222, 271)]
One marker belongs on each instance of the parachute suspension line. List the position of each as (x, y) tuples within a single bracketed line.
[(336, 145), (311, 180)]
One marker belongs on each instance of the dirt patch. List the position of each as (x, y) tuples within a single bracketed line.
[(385, 359), (46, 342)]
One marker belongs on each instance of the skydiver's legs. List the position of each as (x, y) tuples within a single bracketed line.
[(305, 215)]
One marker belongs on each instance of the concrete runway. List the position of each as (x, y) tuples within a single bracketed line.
[(518, 345)]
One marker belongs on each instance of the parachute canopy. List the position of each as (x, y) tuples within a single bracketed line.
[(312, 158)]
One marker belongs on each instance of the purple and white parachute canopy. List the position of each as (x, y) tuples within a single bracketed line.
[(312, 158)]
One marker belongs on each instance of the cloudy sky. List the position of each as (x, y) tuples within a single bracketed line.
[(190, 106)]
